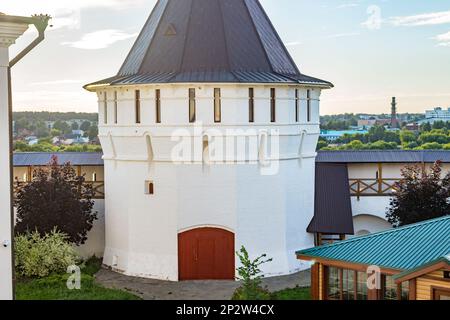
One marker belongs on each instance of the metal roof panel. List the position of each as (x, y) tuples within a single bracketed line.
[(383, 156), (209, 40), (25, 159), (402, 248)]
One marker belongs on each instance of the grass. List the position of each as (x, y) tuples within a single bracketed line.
[(293, 294), (54, 287)]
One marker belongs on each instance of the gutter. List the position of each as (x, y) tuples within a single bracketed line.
[(41, 24)]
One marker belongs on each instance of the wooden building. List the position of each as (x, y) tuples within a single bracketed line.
[(408, 263)]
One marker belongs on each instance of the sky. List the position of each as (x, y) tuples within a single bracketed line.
[(371, 50)]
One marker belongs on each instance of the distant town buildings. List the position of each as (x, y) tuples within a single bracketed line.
[(437, 114), (369, 123), (334, 135)]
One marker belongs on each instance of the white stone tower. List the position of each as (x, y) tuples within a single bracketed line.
[(209, 133)]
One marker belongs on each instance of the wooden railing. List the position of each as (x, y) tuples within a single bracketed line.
[(98, 186), (372, 187)]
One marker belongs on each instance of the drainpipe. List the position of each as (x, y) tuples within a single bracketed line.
[(41, 23), (11, 28)]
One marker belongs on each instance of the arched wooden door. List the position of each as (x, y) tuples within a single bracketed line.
[(206, 254)]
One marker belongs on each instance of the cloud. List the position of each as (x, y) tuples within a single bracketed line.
[(426, 19), (99, 39), (443, 39)]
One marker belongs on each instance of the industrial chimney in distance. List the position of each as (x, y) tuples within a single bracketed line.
[(394, 120)]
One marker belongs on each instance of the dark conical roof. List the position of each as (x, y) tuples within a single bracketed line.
[(209, 41)]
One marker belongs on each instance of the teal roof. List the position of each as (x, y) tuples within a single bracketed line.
[(445, 259), (402, 248)]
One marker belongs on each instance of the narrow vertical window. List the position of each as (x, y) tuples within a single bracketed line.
[(297, 105), (308, 105), (105, 107), (217, 106), (115, 107), (191, 105), (138, 106), (149, 187), (251, 105), (273, 105), (158, 105)]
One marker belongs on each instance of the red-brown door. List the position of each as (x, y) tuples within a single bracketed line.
[(206, 254)]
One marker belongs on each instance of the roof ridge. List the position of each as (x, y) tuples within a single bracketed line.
[(415, 225)]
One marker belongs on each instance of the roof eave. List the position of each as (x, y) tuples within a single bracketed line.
[(384, 269), (441, 263)]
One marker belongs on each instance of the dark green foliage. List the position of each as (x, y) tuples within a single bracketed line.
[(292, 294), (421, 195), (85, 126), (92, 266), (56, 198), (75, 126), (321, 144), (62, 126), (92, 132), (53, 116)]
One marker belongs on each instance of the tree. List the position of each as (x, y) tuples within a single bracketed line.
[(382, 145), (75, 126), (93, 132), (250, 275), (56, 198), (421, 195), (438, 136), (376, 133), (62, 126), (407, 137), (430, 146), (21, 124), (439, 124), (41, 130), (55, 133), (354, 145), (425, 127), (321, 144), (85, 126)]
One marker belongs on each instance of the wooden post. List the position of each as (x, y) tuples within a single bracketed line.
[(29, 174), (315, 274), (412, 289), (380, 178)]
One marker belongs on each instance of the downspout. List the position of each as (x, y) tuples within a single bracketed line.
[(41, 23)]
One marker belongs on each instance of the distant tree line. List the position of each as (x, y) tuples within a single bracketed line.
[(429, 137), (54, 116)]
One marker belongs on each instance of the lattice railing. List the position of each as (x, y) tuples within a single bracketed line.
[(372, 187)]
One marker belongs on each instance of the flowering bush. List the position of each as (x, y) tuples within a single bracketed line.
[(40, 256)]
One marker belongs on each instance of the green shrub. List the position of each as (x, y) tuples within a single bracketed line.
[(250, 275), (40, 256)]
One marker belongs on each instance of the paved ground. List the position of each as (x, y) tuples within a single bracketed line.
[(192, 290)]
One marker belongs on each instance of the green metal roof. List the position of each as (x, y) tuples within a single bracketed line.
[(402, 248), (445, 259)]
